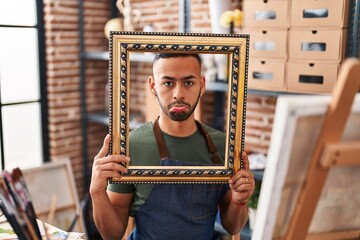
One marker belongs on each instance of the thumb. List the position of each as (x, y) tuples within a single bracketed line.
[(246, 163), (105, 147)]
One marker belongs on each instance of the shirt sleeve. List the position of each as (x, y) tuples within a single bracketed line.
[(121, 188)]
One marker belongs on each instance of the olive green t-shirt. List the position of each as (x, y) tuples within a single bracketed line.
[(143, 151)]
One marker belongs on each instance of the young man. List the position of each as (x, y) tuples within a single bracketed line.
[(170, 211)]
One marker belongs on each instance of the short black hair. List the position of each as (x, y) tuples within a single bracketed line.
[(174, 55)]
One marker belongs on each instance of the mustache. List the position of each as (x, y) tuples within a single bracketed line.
[(178, 102)]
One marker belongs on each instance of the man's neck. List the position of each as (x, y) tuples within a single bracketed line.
[(177, 128)]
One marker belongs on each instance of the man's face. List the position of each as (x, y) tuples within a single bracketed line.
[(178, 85)]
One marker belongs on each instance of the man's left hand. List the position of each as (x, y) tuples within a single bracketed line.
[(242, 184)]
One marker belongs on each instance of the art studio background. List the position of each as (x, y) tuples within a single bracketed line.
[(54, 73)]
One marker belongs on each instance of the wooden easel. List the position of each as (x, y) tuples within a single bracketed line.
[(329, 152)]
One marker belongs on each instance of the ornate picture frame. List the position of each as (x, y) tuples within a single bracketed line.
[(235, 46)]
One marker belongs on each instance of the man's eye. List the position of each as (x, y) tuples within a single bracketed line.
[(168, 84), (188, 83)]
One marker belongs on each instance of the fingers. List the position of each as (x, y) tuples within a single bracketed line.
[(242, 183), (113, 165), (245, 175), (109, 166), (105, 168), (105, 147), (246, 163), (243, 180), (110, 160)]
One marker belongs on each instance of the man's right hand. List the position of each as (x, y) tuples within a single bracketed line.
[(106, 166)]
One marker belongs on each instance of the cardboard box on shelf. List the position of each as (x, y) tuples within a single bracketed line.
[(267, 74), (311, 77), (324, 13), (268, 43), (266, 13), (317, 44)]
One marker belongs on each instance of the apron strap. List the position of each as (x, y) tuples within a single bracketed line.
[(160, 140), (215, 158)]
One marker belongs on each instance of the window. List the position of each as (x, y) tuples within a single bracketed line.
[(23, 103)]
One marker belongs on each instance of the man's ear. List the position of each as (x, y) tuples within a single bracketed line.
[(151, 83), (202, 85)]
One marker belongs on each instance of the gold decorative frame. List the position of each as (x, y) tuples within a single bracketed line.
[(234, 45)]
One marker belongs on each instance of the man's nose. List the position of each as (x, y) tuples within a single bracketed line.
[(178, 92)]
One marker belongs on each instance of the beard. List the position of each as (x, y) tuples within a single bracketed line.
[(179, 116)]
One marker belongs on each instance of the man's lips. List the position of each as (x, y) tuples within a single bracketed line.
[(178, 108)]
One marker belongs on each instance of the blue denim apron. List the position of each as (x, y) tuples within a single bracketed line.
[(179, 211)]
